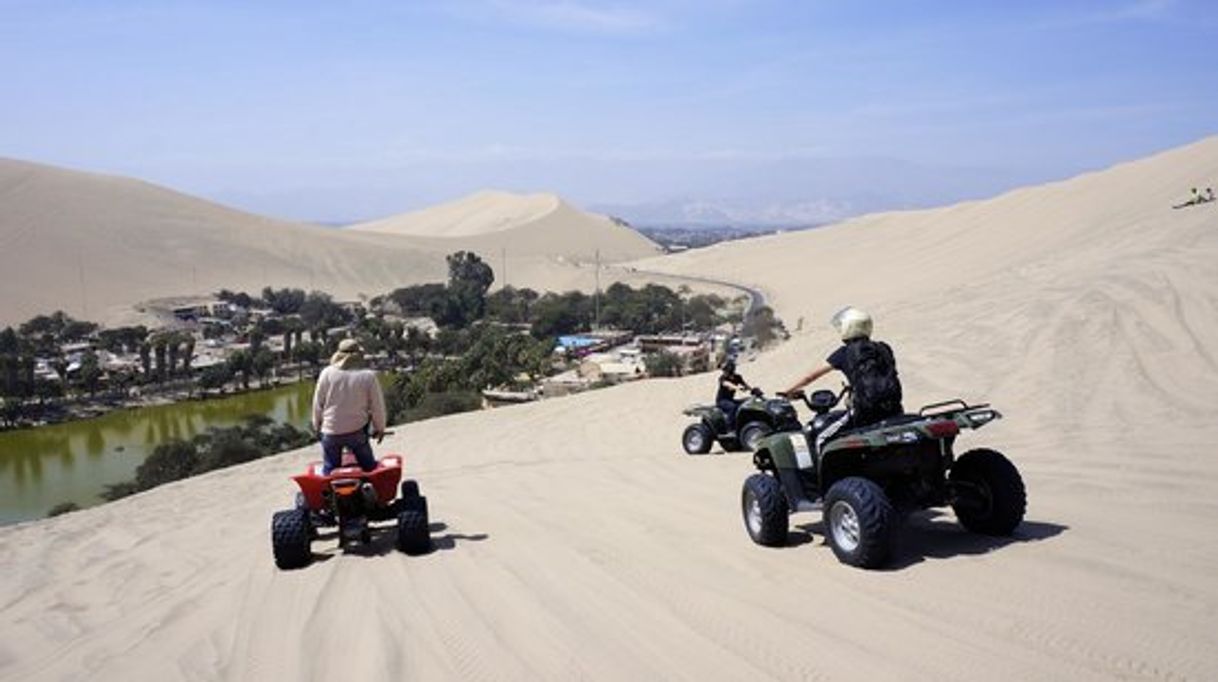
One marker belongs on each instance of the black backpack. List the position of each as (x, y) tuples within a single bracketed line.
[(873, 380)]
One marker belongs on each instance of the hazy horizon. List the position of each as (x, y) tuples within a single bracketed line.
[(662, 112)]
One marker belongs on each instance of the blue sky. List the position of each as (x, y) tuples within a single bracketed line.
[(337, 110)]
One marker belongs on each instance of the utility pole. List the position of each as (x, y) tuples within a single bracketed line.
[(503, 265), (597, 297), (84, 300)]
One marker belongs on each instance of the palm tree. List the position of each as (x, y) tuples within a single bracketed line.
[(146, 358), (172, 345), (189, 353), (90, 373), (416, 342), (158, 350), (256, 338), (60, 365), (262, 363), (8, 374), (292, 327), (241, 361), (28, 364)]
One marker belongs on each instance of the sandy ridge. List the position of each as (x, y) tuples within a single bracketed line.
[(94, 245)]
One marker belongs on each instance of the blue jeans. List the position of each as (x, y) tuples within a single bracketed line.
[(332, 445), (729, 407)]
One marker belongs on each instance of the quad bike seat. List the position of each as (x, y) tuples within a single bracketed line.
[(883, 423)]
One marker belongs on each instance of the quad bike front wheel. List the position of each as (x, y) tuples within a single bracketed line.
[(765, 510), (290, 534), (411, 499), (697, 439), (989, 493), (859, 522), (752, 434), (413, 534), (410, 489)]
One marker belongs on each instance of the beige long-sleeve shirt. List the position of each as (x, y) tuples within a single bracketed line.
[(345, 399)]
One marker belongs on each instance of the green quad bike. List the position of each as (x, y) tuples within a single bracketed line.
[(756, 418), (867, 479)]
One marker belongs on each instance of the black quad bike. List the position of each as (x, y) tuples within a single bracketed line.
[(867, 479), (756, 418)]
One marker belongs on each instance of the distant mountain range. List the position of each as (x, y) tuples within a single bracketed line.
[(806, 192)]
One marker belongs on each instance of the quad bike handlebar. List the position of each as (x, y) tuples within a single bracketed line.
[(817, 405)]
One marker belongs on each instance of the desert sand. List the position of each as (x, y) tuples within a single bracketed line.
[(574, 540), (93, 245), (492, 222)]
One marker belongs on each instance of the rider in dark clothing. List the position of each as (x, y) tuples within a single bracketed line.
[(725, 398), (870, 368)]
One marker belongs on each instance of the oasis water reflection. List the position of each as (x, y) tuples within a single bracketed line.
[(74, 462)]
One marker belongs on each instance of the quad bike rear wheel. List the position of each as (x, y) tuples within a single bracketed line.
[(765, 510), (859, 521), (290, 535), (989, 493), (697, 439)]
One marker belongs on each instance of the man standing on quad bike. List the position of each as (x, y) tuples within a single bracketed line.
[(725, 398), (870, 368), (347, 398)]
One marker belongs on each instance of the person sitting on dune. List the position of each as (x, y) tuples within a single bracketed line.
[(1196, 199), (870, 368), (729, 383), (347, 399)]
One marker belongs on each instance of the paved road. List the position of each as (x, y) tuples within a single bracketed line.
[(756, 297)]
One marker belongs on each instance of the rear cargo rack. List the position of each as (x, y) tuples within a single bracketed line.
[(947, 407)]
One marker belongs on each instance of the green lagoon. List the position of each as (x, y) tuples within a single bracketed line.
[(75, 461)]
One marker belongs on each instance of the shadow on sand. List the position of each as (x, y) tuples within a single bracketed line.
[(384, 541), (931, 534)]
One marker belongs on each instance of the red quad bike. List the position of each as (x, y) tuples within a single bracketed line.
[(351, 499)]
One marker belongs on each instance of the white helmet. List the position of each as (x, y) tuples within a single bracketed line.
[(852, 323)]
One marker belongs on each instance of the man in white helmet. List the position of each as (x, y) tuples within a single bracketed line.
[(870, 368)]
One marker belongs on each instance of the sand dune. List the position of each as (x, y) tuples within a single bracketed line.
[(574, 541), (94, 245), (523, 225), (480, 213)]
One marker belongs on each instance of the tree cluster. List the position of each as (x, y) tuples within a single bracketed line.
[(43, 336), (652, 309), (481, 357), (764, 326), (663, 363), (456, 304), (215, 448)]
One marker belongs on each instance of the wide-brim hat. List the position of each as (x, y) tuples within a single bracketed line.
[(350, 355)]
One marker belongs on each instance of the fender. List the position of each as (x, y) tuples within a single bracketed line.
[(790, 456), (710, 415), (787, 450)]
